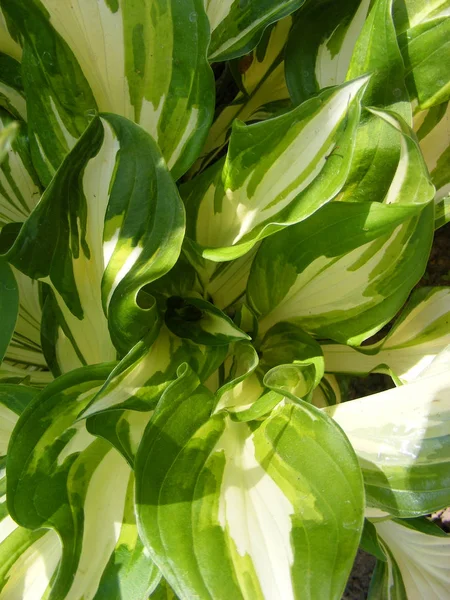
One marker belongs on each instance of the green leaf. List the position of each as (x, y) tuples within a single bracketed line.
[(201, 322), (62, 477), (116, 234), (418, 336), (146, 62), (418, 557), (402, 440), (9, 305), (231, 206), (226, 509), (147, 370), (262, 85), (237, 27)]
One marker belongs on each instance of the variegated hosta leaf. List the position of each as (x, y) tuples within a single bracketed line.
[(13, 400), (9, 305), (145, 61), (19, 185), (262, 85), (328, 393), (425, 46), (343, 273), (116, 233), (201, 322), (7, 135), (25, 347), (59, 100), (19, 373), (229, 510), (442, 213), (433, 130), (141, 377), (236, 28), (288, 362), (418, 561), (62, 477), (321, 44), (8, 44), (333, 42), (402, 440), (419, 335), (123, 429), (28, 559), (163, 592), (276, 173), (12, 96)]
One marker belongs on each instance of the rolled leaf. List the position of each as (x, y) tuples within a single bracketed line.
[(116, 234), (221, 519), (234, 205), (236, 28), (401, 437)]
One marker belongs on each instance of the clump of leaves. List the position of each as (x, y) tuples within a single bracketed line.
[(194, 259)]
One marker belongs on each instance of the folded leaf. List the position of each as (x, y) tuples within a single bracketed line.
[(144, 61), (253, 194), (236, 28), (116, 234), (226, 509), (418, 336), (402, 440)]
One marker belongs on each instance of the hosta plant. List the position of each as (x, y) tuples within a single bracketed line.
[(208, 209)]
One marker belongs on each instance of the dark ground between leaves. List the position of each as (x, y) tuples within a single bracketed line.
[(437, 273)]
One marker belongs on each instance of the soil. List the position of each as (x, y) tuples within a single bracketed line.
[(437, 273)]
